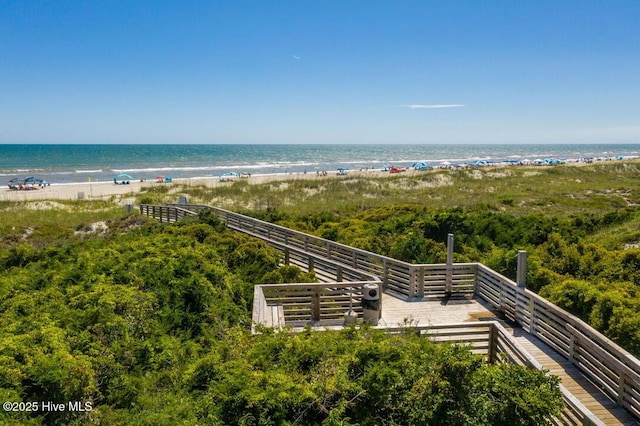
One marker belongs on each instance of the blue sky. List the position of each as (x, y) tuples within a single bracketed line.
[(320, 71)]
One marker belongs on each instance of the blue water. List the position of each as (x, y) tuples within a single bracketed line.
[(79, 163)]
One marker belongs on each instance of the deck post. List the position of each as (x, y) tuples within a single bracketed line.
[(412, 281), (385, 274), (522, 269), (286, 255), (521, 280), (493, 344), (420, 281), (534, 318), (621, 390), (339, 274), (310, 264), (315, 304), (572, 346), (449, 275)]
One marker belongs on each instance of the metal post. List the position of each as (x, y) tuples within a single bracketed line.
[(522, 269), (449, 264)]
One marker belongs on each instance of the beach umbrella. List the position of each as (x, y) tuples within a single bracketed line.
[(123, 176), (160, 177), (342, 169), (421, 165), (14, 180), (31, 179)]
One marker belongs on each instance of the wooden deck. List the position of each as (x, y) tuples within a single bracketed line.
[(398, 313), (601, 381), (424, 312), (588, 394)]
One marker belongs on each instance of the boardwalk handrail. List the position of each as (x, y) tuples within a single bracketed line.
[(166, 213), (299, 304), (614, 370), (403, 278), (610, 367), (491, 339)]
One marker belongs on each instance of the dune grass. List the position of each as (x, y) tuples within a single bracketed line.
[(51, 219), (560, 190)]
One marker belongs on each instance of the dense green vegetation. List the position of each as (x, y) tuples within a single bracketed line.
[(580, 225), (150, 324), (568, 263)]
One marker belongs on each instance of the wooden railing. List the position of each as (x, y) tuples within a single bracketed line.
[(297, 305), (495, 343), (609, 366), (165, 213), (402, 278), (615, 371)]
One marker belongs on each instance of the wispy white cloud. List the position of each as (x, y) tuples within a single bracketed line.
[(432, 106)]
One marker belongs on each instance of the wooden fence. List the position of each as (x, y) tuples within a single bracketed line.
[(609, 366), (402, 278), (166, 213), (298, 305)]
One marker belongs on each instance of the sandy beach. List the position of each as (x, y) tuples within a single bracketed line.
[(125, 194)]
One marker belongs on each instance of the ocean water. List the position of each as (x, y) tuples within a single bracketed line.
[(60, 164)]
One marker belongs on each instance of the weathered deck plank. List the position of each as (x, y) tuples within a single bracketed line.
[(397, 312), (590, 396)]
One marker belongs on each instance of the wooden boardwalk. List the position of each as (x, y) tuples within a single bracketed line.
[(588, 394), (416, 296), (398, 313), (424, 312)]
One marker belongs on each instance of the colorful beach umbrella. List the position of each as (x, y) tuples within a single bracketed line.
[(123, 176)]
